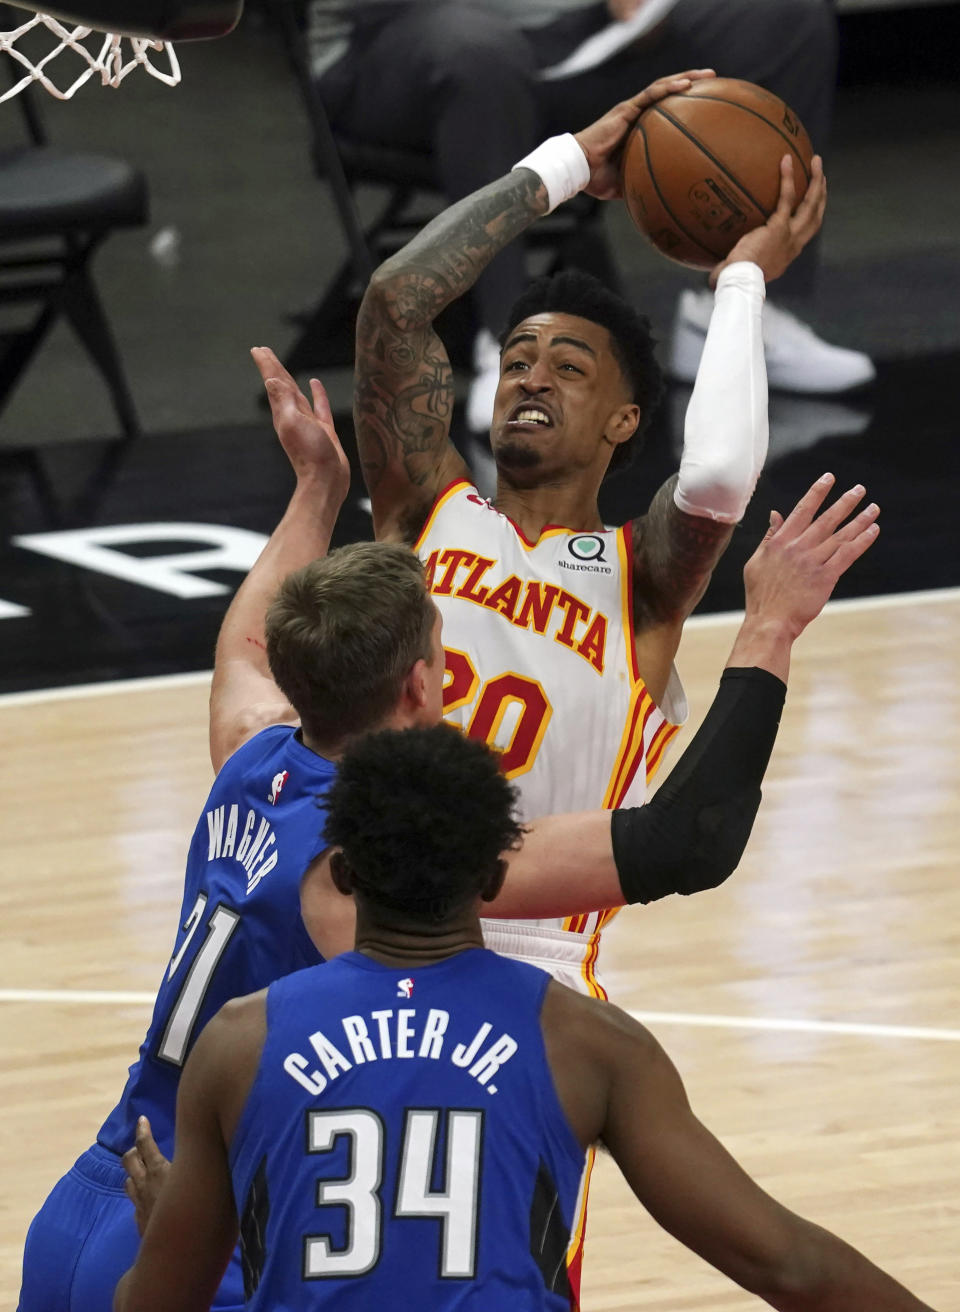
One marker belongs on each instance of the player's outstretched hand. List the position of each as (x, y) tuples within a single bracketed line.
[(778, 242), (602, 142), (791, 575), (306, 432), (146, 1169)]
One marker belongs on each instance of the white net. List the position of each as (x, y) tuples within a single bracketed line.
[(104, 56)]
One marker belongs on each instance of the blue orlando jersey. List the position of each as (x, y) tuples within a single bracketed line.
[(403, 1145), (240, 923)]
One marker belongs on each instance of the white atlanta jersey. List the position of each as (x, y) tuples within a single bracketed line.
[(541, 664)]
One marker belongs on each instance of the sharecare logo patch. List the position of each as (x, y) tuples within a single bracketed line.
[(586, 547)]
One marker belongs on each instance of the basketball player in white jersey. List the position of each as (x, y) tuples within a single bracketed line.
[(610, 857), (560, 633)]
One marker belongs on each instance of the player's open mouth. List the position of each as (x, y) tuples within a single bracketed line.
[(530, 416)]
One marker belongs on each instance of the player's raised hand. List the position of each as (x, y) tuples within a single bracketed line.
[(778, 242), (146, 1169), (306, 431), (602, 142), (791, 575)]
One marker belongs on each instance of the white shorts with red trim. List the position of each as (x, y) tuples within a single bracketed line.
[(570, 958)]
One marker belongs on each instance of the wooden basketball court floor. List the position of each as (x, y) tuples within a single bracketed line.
[(810, 1003)]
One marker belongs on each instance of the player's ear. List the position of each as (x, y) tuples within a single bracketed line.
[(494, 884), (340, 873), (417, 685), (623, 424)]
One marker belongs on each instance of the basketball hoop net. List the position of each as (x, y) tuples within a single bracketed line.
[(109, 61)]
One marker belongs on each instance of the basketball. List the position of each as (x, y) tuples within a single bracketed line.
[(703, 167)]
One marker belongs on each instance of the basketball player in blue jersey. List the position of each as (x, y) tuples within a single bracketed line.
[(353, 640), (405, 1127), (257, 838), (356, 645)]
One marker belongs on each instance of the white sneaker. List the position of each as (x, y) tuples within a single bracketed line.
[(483, 388), (797, 359)]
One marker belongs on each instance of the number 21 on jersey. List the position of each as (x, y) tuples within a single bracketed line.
[(182, 1017)]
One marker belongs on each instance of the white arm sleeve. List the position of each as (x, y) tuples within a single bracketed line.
[(726, 431)]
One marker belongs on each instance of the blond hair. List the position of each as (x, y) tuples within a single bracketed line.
[(343, 634)]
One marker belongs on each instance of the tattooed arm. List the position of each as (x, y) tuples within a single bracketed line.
[(674, 555), (403, 397)]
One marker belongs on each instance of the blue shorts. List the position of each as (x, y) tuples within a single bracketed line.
[(83, 1239)]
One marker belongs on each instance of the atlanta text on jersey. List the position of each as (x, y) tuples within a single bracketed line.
[(529, 604)]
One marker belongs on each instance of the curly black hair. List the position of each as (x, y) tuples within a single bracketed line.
[(422, 817), (574, 291)]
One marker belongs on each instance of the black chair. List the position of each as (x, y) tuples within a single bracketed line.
[(409, 194), (56, 208)]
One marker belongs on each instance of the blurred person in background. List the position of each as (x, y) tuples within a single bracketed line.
[(464, 80)]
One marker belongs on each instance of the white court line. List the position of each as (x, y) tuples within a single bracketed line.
[(920, 598), (785, 1025), (159, 681), (778, 1024), (98, 997), (69, 691)]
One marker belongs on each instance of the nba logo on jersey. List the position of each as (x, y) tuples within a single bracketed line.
[(404, 988), (275, 788)]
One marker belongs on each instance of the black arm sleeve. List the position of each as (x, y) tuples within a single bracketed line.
[(692, 834)]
